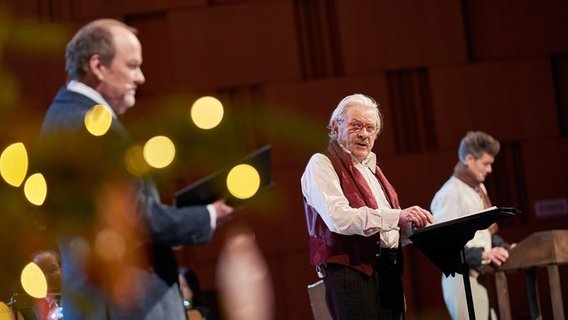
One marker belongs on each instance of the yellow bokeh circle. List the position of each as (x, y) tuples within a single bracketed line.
[(243, 181), (159, 152), (98, 120), (14, 164), (33, 281), (6, 312), (35, 189), (206, 112)]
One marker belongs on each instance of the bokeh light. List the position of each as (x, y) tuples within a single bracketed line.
[(98, 120), (5, 312), (14, 164), (206, 112), (159, 152), (35, 189), (243, 181), (134, 161), (33, 281)]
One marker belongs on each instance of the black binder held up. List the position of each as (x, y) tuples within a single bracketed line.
[(443, 242), (214, 186)]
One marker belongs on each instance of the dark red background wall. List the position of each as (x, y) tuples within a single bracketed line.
[(438, 68)]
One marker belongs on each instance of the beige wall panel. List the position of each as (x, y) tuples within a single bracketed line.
[(511, 100), (234, 45), (89, 9), (546, 173), (312, 103), (517, 28), (378, 35)]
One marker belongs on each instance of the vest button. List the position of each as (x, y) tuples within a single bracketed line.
[(378, 243), (377, 255)]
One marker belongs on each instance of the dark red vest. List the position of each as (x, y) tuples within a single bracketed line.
[(355, 251)]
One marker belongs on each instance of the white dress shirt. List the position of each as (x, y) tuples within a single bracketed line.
[(322, 190)]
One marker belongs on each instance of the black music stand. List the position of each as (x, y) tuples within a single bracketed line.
[(443, 243)]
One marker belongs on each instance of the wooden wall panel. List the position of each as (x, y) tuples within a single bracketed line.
[(378, 35), (546, 173), (287, 231), (314, 101), (88, 9), (33, 54), (417, 177), (234, 45), (291, 279), (560, 72), (156, 53), (512, 28), (510, 100), (20, 9)]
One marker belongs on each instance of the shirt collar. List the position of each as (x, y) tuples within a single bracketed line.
[(370, 162), (81, 88)]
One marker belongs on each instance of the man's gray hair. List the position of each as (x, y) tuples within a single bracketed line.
[(351, 100)]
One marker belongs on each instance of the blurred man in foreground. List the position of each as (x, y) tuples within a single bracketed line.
[(118, 263)]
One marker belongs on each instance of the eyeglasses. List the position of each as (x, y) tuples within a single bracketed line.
[(355, 127)]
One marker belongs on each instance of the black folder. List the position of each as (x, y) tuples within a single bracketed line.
[(443, 242), (214, 186)]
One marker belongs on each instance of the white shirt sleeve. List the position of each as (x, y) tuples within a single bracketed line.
[(212, 216)]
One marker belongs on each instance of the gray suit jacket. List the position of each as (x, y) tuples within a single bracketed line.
[(162, 226)]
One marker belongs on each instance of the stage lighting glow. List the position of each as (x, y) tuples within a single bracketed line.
[(98, 120), (206, 112), (159, 152), (243, 181), (35, 189), (14, 164)]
